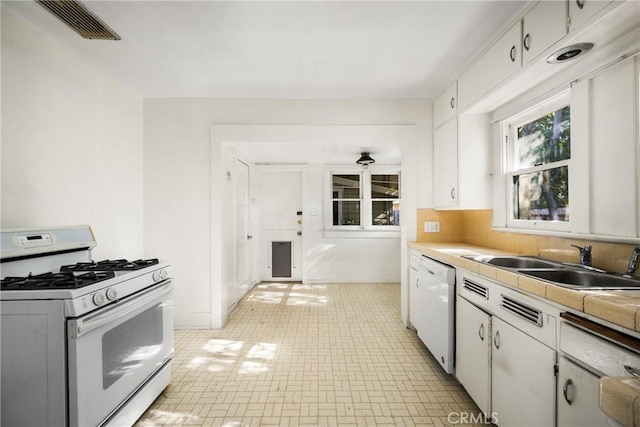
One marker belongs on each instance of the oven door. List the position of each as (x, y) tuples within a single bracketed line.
[(113, 351)]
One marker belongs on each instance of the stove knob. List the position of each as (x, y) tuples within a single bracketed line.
[(111, 294), (160, 275), (98, 298)]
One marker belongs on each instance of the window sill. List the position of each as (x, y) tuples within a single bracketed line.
[(362, 234), (569, 235)]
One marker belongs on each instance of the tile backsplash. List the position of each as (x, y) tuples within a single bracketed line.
[(474, 227)]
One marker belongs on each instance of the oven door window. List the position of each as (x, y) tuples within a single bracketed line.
[(128, 346)]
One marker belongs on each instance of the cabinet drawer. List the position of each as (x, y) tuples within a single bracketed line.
[(607, 358), (446, 105)]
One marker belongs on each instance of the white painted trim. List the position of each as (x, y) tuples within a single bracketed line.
[(568, 235), (225, 135)]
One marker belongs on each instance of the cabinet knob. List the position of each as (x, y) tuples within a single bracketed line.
[(565, 391), (525, 42), (580, 3), (481, 332), (496, 340), (512, 53), (452, 102)]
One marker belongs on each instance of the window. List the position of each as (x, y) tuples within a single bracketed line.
[(365, 200), (346, 199), (538, 161), (385, 203)]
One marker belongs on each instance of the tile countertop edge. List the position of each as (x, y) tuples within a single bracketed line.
[(619, 397), (620, 308)]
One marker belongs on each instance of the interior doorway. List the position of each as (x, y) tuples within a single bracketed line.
[(281, 225)]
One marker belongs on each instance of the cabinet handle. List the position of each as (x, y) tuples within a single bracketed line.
[(453, 193), (580, 3), (512, 54), (417, 282), (565, 391), (633, 371), (525, 42), (496, 340), (481, 332), (452, 103)]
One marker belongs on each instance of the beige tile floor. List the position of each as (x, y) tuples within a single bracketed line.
[(294, 354)]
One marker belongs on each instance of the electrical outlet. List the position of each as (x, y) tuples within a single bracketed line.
[(432, 227)]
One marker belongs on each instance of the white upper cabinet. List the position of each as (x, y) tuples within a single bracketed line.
[(446, 105), (462, 163), (502, 59), (542, 26), (445, 165), (581, 10)]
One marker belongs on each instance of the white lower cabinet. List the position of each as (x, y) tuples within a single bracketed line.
[(473, 352), (523, 381), (414, 304), (578, 396)]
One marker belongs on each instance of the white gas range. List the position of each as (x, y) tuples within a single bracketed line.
[(83, 343)]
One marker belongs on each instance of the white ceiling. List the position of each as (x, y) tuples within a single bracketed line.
[(285, 49)]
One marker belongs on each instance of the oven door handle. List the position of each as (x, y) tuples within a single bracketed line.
[(83, 325)]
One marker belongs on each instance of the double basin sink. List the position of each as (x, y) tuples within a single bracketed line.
[(566, 275)]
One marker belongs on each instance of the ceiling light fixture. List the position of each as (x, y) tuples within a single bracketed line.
[(568, 53), (365, 159)]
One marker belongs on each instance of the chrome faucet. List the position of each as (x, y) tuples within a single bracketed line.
[(585, 254), (633, 262)]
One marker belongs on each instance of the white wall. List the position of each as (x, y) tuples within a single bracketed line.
[(71, 143), (178, 176)]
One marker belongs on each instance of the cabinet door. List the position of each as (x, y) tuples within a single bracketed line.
[(446, 105), (445, 164), (544, 25), (414, 305), (473, 350), (578, 396), (500, 61), (581, 10), (522, 378)]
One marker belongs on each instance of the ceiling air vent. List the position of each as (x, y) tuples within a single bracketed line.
[(476, 288), (80, 19)]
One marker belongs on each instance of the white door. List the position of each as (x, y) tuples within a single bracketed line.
[(281, 224), (242, 272), (473, 351), (523, 383), (578, 396)]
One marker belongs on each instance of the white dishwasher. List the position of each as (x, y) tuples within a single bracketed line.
[(436, 298)]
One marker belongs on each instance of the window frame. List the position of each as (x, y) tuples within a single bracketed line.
[(509, 128), (366, 201)]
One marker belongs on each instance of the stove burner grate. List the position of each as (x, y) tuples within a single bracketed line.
[(66, 280), (110, 265)]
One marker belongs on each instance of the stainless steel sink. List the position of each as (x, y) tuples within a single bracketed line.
[(516, 262), (583, 279)]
